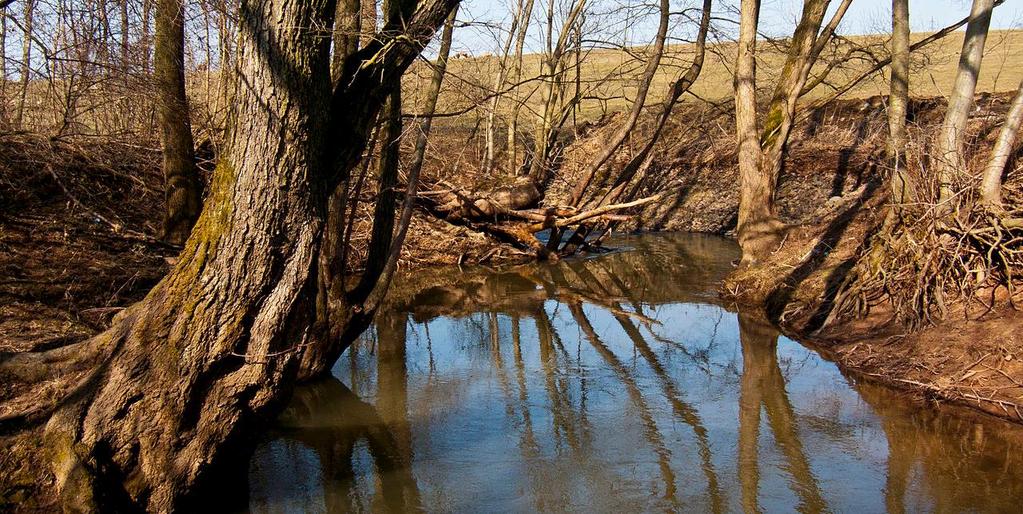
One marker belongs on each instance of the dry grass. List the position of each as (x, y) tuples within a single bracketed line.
[(612, 74)]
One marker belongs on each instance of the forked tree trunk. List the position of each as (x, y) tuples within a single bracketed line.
[(180, 377), (182, 183), (948, 155), (1005, 146), (898, 102), (759, 228), (382, 234), (376, 295)]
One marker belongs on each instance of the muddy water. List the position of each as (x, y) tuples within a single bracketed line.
[(617, 383)]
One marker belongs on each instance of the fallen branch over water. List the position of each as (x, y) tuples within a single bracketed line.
[(510, 214)]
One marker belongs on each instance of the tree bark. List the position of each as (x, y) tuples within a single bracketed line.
[(181, 377), (898, 102), (368, 23), (1005, 146), (759, 228), (948, 158), (754, 200), (183, 185), (347, 26)]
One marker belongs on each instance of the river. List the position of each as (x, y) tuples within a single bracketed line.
[(615, 383)]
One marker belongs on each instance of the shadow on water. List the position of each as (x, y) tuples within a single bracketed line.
[(615, 383)]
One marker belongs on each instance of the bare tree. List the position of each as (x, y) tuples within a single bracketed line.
[(553, 69), (755, 192), (898, 101), (1005, 146), (948, 148), (154, 401), (515, 74), (761, 157), (183, 185), (26, 60), (432, 93), (653, 62), (490, 129), (395, 11)]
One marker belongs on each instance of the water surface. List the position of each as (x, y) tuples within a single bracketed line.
[(616, 383)]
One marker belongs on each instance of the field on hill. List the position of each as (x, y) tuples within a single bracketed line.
[(607, 79)]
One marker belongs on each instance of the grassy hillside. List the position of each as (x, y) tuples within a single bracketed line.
[(610, 76)]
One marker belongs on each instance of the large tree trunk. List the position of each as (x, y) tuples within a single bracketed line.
[(176, 383), (183, 186), (948, 155), (212, 347), (1005, 146), (898, 101)]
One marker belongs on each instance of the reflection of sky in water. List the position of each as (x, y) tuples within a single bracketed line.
[(646, 416)]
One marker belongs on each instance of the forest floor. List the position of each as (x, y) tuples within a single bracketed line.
[(78, 226)]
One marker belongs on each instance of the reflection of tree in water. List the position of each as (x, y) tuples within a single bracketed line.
[(327, 418), (946, 461), (332, 421), (496, 312), (762, 387)]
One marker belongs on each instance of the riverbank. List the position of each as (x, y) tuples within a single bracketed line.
[(78, 225)]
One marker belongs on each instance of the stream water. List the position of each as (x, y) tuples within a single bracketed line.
[(617, 383)]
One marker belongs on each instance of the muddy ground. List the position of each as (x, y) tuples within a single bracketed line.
[(79, 226)]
